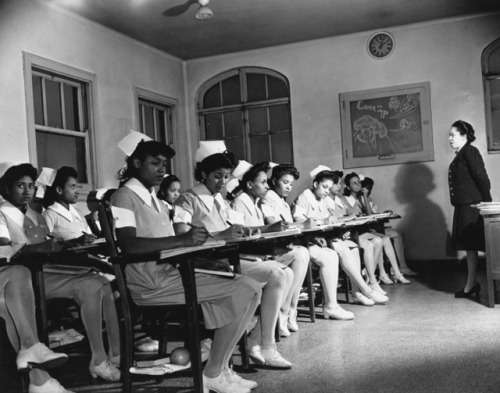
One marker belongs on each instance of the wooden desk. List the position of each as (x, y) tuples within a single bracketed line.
[(492, 235)]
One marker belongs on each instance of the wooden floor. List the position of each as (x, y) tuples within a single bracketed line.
[(423, 340)]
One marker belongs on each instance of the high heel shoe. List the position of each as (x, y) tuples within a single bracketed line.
[(474, 290)]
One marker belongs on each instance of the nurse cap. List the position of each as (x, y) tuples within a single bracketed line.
[(207, 148), (318, 169), (271, 166), (242, 168), (232, 184), (131, 140)]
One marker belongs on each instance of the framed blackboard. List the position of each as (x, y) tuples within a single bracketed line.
[(390, 125)]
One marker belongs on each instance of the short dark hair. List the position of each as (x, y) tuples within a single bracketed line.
[(284, 169), (143, 149), (165, 184), (214, 162), (13, 174), (347, 180), (325, 175), (62, 176), (465, 128), (253, 172), (367, 182)]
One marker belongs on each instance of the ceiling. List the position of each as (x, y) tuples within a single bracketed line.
[(240, 25)]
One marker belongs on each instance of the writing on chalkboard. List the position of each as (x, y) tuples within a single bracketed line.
[(391, 124)]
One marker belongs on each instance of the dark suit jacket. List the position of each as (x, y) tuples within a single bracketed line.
[(467, 178)]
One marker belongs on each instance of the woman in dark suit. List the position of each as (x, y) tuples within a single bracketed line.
[(469, 184)]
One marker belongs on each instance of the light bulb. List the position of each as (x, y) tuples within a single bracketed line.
[(204, 13)]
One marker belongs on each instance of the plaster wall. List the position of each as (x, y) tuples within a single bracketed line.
[(445, 53), (119, 63)]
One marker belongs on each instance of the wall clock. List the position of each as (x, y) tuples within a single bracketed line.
[(380, 45)]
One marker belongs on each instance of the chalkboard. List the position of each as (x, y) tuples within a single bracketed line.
[(391, 125)]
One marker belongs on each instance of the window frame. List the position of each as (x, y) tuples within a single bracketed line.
[(161, 100), (72, 76), (487, 78), (244, 105)]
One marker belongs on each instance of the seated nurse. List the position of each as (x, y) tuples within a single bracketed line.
[(142, 225), (17, 301), (250, 203), (92, 292), (204, 206)]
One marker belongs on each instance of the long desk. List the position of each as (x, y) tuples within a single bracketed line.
[(492, 234)]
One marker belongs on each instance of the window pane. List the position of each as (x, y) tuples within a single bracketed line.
[(279, 116), (281, 145), (256, 86), (213, 126), (212, 97), (260, 148), (277, 88), (160, 121), (149, 124), (38, 99), (231, 91), (495, 110), (494, 61), (233, 123), (53, 95), (257, 121), (55, 151), (237, 147), (71, 107)]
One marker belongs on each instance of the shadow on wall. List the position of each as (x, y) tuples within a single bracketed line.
[(423, 222)]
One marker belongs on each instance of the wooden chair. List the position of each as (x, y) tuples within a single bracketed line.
[(120, 261)]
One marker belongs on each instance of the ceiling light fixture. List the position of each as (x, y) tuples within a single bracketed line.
[(204, 13)]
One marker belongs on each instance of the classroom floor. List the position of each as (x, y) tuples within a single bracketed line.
[(423, 340)]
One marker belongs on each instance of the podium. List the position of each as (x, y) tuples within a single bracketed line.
[(491, 215)]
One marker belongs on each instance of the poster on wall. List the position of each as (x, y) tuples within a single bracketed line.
[(390, 125)]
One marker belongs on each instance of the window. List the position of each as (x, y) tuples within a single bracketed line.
[(155, 117), (60, 130), (249, 109), (491, 82)]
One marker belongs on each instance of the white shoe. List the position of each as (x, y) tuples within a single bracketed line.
[(41, 355), (255, 353), (377, 288), (378, 297), (233, 377), (147, 344), (283, 328), (292, 321), (402, 280), (337, 313), (274, 359), (51, 386), (105, 370), (359, 298), (222, 384), (385, 279)]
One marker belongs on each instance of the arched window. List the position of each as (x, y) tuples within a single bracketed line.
[(248, 108), (491, 81)]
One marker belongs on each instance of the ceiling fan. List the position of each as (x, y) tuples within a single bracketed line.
[(203, 12)]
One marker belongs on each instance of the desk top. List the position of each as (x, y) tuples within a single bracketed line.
[(488, 208)]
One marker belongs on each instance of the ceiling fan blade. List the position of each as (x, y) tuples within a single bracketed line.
[(179, 9)]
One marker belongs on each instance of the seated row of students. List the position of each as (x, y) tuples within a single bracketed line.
[(19, 224), (143, 224)]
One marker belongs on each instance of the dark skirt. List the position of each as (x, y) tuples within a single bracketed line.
[(468, 229)]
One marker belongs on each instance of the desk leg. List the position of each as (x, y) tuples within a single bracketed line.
[(41, 312), (189, 281)]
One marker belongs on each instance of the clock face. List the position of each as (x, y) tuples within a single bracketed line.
[(380, 45)]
